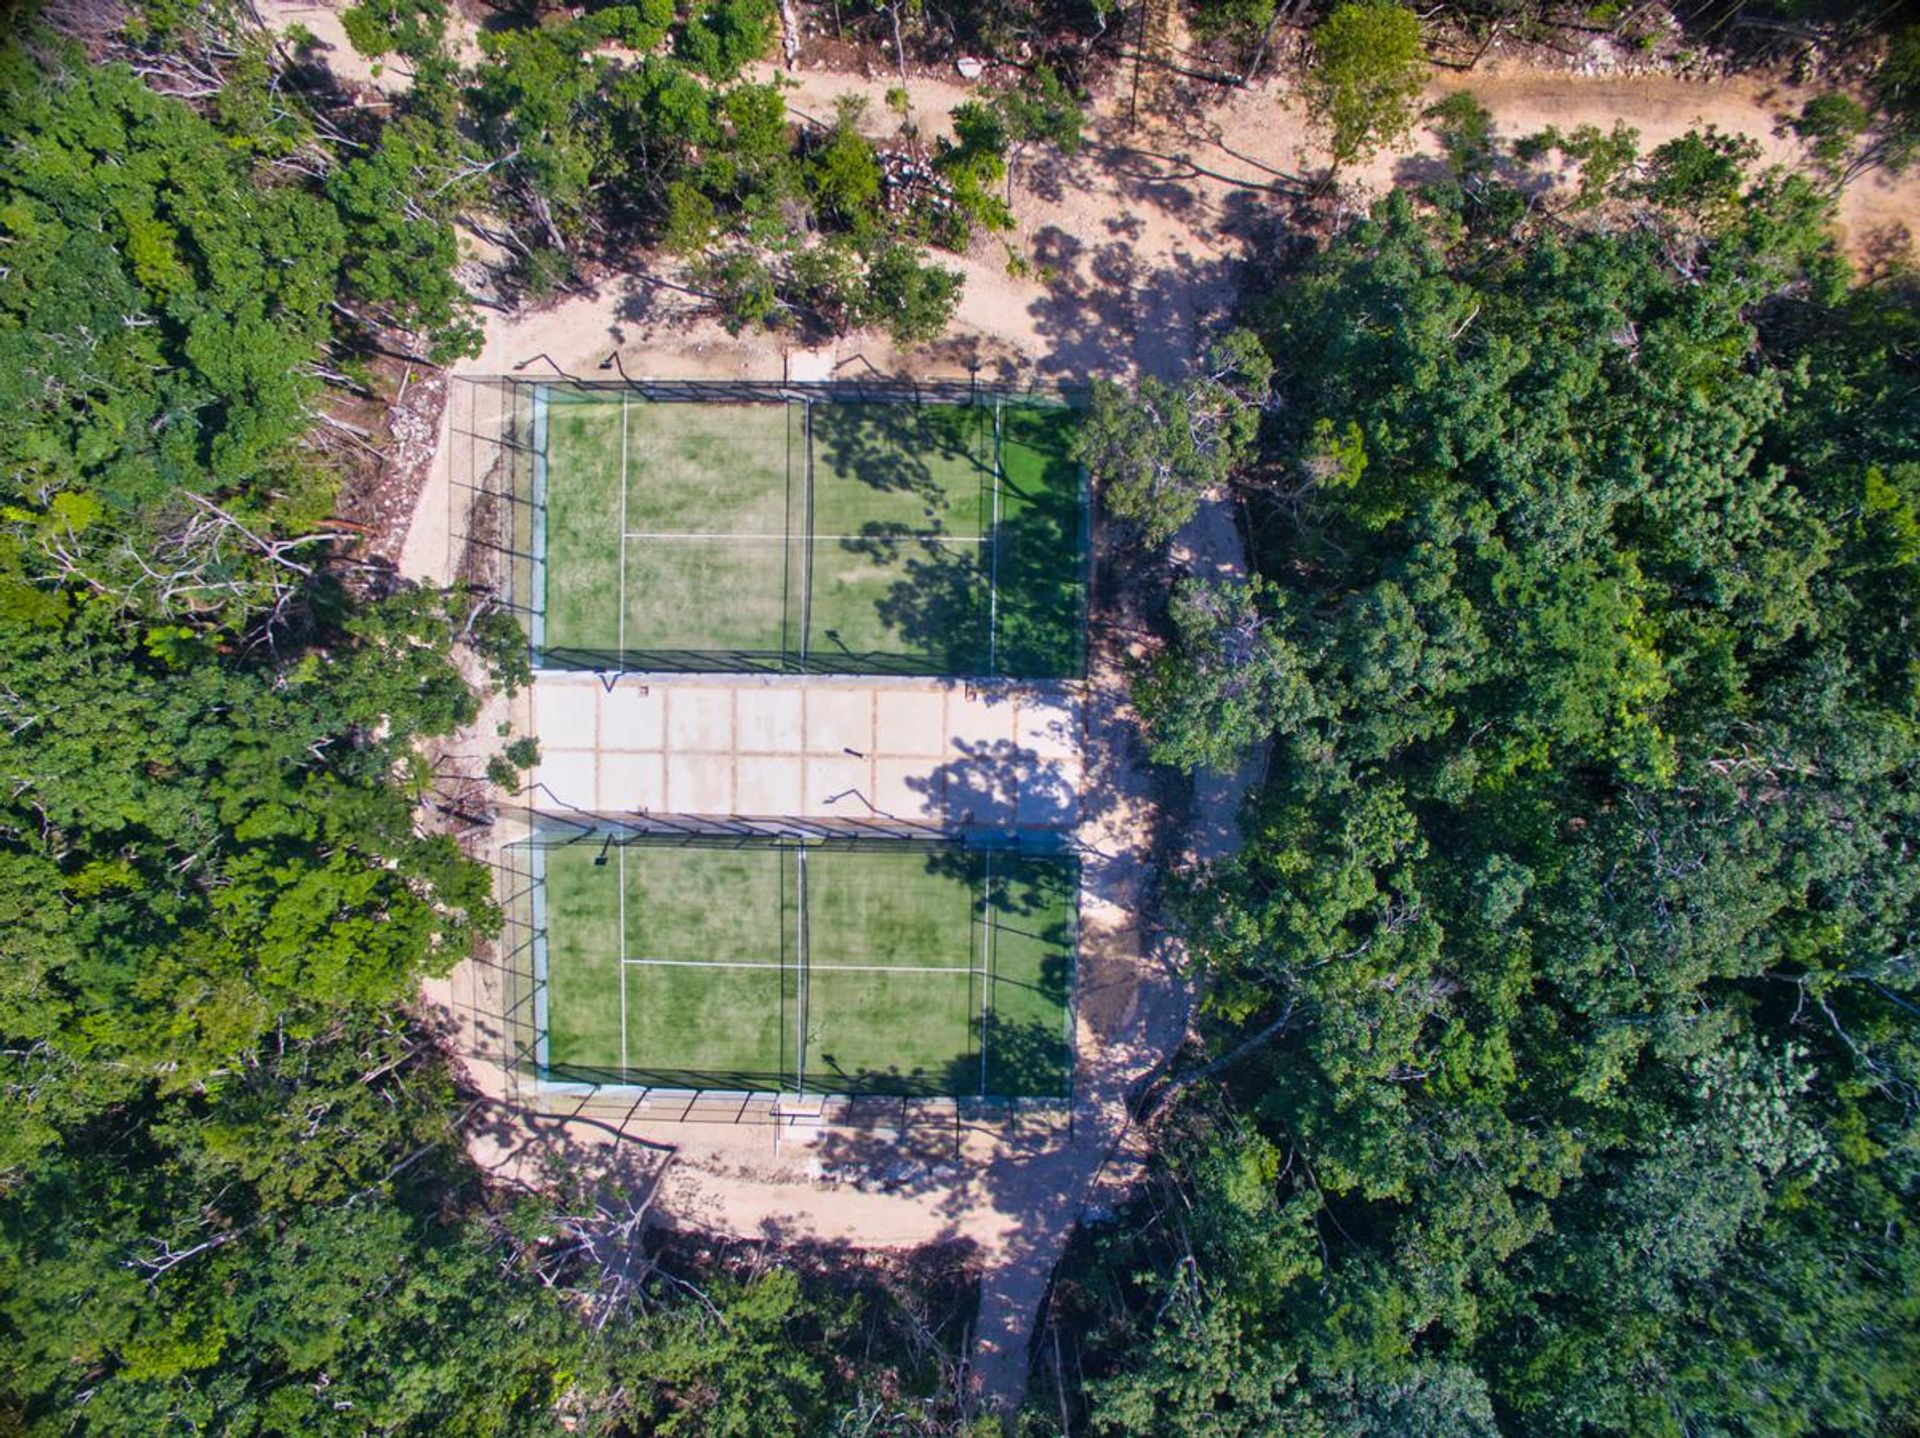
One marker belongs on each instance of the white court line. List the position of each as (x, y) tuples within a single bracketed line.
[(819, 968), (937, 536)]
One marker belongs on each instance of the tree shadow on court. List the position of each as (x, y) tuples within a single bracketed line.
[(890, 446), (1039, 556), (1029, 1058), (918, 1145), (1014, 606), (643, 1076), (938, 605), (999, 784), (942, 608), (826, 1074)]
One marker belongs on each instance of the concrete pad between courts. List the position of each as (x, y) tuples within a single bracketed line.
[(699, 721), (839, 719), (768, 721), (908, 723), (839, 784), (769, 785), (562, 720), (634, 716), (779, 746), (699, 784)]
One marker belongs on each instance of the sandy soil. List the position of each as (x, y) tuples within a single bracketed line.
[(1131, 246), (1135, 246), (321, 19)]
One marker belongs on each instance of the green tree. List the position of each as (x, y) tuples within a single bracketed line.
[(1156, 451), (537, 98), (1038, 110), (1229, 679), (843, 173), (1605, 159), (1365, 79), (1562, 1021), (972, 163), (399, 259), (1464, 128), (414, 29), (912, 297), (1831, 125), (724, 37)]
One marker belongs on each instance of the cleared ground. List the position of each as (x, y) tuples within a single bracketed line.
[(1002, 756), (830, 968), (820, 535)]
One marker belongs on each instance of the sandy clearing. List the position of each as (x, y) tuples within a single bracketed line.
[(321, 18), (322, 21)]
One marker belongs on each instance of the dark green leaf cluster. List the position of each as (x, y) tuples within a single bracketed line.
[(1367, 73), (1156, 450), (1578, 911)]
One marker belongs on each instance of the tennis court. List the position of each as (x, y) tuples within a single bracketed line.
[(823, 535), (836, 967)]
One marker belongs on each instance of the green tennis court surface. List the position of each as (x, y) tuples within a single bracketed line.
[(876, 968), (814, 535)]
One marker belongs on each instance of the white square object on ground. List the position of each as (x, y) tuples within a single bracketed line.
[(630, 782), (565, 713), (700, 720), (633, 716), (839, 719), (768, 786), (908, 723), (767, 721), (700, 784)]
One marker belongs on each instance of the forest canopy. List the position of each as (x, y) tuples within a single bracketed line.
[(234, 1190), (1568, 971), (1558, 1071)]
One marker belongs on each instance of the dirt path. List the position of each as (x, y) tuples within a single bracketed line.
[(1130, 254), (1133, 998)]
